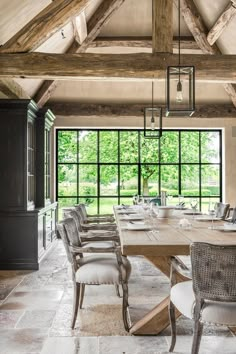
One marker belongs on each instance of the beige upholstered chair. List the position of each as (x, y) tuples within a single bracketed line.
[(211, 294), (101, 266), (97, 218)]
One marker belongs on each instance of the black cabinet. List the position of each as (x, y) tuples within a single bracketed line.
[(27, 214)]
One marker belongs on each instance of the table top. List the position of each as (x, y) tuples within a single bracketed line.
[(171, 239)]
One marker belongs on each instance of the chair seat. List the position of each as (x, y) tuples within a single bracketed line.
[(183, 298), (102, 269)]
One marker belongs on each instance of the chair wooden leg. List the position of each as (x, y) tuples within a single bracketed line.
[(117, 290), (171, 310), (125, 305), (75, 303), (81, 298), (197, 335)]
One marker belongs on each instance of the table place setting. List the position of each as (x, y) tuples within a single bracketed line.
[(227, 227), (131, 217), (136, 226)]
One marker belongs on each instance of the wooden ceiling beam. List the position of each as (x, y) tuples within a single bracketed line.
[(187, 43), (162, 26), (209, 68), (44, 25), (69, 109), (101, 16), (80, 28), (199, 32), (12, 89), (222, 22)]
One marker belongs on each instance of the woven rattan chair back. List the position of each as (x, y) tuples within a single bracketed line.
[(214, 271), (63, 234), (222, 210)]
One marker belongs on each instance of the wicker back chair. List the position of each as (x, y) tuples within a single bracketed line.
[(211, 294), (101, 266), (222, 210), (109, 218)]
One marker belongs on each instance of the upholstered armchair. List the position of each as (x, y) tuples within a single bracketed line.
[(101, 265), (210, 297)]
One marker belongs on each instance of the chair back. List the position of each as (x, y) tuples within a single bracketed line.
[(214, 271), (222, 210), (78, 220), (83, 210), (233, 218), (80, 212), (62, 232)]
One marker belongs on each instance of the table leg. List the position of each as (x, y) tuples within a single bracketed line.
[(157, 319)]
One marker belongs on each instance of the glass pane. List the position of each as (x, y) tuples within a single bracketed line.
[(190, 147), (190, 180), (91, 204), (150, 180), (170, 147), (126, 201), (210, 147), (129, 147), (65, 202), (206, 202), (106, 205), (149, 150), (108, 146), (88, 146), (170, 179), (109, 180), (210, 180), (67, 146), (67, 180), (88, 180), (128, 180)]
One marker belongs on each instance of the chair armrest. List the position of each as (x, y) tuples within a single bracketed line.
[(75, 250), (111, 227), (99, 238), (177, 265)]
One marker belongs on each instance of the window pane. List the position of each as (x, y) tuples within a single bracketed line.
[(88, 146), (67, 146), (128, 147), (91, 204), (65, 202), (150, 180), (170, 179), (149, 150), (210, 180), (67, 180), (190, 180), (210, 146), (170, 147), (106, 205), (109, 180), (190, 147), (108, 146), (128, 180), (88, 180)]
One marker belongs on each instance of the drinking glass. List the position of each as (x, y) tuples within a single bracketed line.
[(212, 212), (194, 204)]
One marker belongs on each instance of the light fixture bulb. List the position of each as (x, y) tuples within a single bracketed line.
[(152, 123), (179, 94)]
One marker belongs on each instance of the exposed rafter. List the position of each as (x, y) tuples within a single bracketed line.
[(162, 26), (44, 25), (97, 21), (222, 22), (12, 89), (188, 43), (80, 28), (209, 68), (69, 109), (199, 32)]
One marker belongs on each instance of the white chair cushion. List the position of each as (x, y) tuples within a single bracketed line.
[(102, 269), (183, 298)]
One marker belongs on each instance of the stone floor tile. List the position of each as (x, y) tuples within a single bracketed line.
[(85, 345), (19, 341), (132, 345), (45, 300), (36, 319), (8, 319)]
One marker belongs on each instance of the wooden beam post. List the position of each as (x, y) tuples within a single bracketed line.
[(162, 26)]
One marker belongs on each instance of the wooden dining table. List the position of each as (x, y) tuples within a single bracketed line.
[(159, 247)]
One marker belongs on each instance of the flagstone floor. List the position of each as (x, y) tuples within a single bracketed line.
[(35, 312)]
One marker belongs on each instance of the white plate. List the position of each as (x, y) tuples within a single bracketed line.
[(136, 227), (123, 212), (223, 228), (207, 218), (132, 217)]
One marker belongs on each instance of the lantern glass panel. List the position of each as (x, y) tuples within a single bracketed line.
[(152, 122)]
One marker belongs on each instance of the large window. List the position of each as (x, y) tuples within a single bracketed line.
[(106, 167)]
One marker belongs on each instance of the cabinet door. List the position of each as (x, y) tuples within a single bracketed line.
[(41, 242), (31, 165)]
